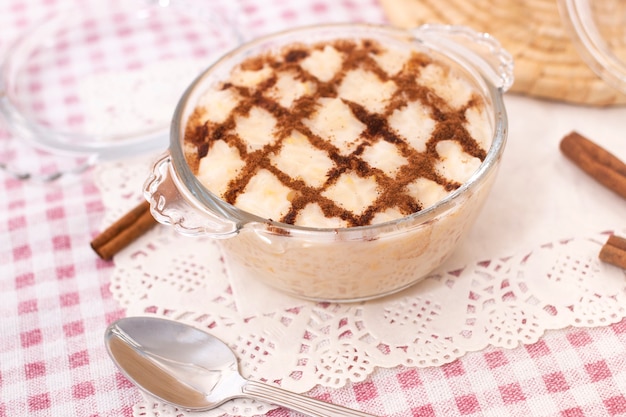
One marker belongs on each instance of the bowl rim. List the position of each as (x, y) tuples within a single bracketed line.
[(205, 198)]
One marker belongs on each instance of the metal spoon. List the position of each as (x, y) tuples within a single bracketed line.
[(192, 370)]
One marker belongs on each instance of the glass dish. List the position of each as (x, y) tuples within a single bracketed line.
[(345, 264), (100, 81), (598, 30)]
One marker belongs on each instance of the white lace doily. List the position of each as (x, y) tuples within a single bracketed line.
[(299, 344)]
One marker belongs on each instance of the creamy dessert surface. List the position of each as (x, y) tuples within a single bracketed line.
[(341, 133)]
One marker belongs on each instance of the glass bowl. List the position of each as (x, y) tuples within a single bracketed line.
[(598, 30), (100, 80), (351, 263)]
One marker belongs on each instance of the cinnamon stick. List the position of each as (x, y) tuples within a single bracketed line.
[(614, 251), (124, 231), (596, 161)]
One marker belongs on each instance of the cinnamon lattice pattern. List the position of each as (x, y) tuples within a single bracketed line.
[(344, 130)]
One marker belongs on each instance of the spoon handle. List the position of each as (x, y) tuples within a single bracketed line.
[(297, 402)]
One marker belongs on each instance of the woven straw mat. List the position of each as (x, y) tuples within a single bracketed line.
[(546, 62)]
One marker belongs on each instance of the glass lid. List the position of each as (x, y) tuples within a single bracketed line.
[(101, 81), (598, 30)]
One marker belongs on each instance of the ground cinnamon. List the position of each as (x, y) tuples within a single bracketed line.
[(614, 251), (124, 231), (450, 124), (599, 163)]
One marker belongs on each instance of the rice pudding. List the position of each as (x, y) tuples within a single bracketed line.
[(337, 134)]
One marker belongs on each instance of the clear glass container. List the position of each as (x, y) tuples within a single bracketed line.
[(598, 30), (345, 264), (100, 80)]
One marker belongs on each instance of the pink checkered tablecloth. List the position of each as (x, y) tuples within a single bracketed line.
[(55, 301)]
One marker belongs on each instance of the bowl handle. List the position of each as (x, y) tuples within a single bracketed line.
[(480, 49), (170, 206)]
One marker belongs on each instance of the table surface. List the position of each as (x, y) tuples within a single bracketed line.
[(55, 301)]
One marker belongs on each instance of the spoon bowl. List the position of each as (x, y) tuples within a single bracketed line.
[(190, 369)]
